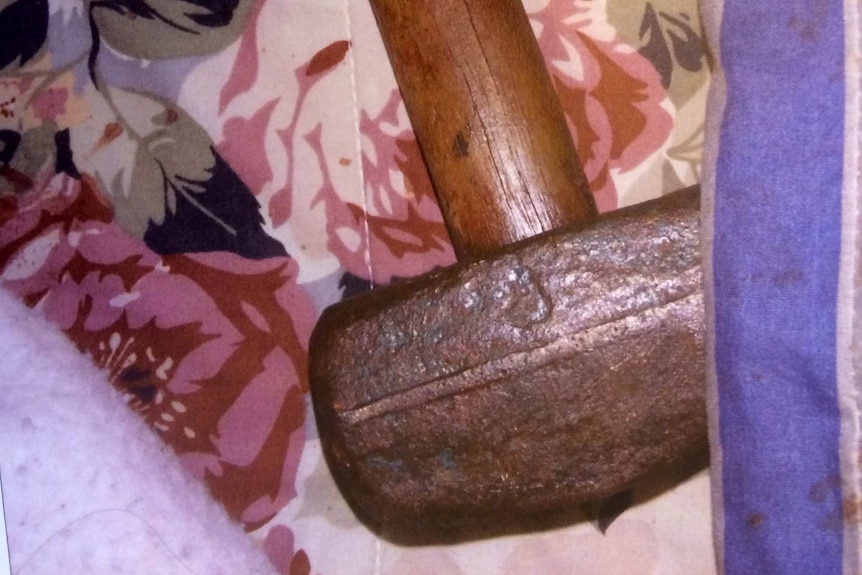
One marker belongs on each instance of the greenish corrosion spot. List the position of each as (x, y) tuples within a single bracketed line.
[(447, 458), (391, 465)]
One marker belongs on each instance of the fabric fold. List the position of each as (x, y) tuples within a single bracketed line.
[(782, 284)]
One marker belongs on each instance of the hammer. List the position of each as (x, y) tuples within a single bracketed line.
[(561, 360)]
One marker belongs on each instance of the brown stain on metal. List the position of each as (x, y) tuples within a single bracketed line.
[(562, 370)]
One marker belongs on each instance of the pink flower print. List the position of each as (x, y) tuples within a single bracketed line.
[(50, 103), (611, 95), (210, 349)]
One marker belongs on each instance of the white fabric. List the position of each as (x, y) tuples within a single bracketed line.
[(88, 488)]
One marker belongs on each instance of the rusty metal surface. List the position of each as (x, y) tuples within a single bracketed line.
[(560, 371)]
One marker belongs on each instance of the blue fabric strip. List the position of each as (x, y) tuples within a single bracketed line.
[(775, 263)]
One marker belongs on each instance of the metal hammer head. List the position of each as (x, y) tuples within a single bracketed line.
[(559, 371)]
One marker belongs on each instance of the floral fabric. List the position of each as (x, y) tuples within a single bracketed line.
[(185, 185)]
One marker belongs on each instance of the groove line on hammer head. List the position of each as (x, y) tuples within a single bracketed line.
[(510, 365)]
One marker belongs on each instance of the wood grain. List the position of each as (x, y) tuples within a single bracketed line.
[(487, 119)]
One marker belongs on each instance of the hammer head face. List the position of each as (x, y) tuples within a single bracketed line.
[(562, 370)]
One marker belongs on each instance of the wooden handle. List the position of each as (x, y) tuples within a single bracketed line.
[(487, 119)]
